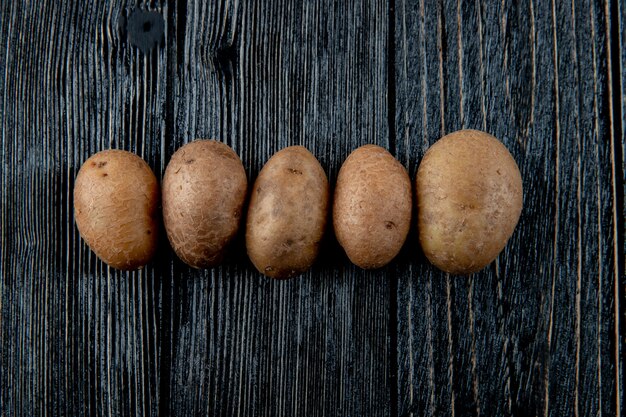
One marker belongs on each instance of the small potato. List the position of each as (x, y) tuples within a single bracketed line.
[(116, 199), (287, 213), (372, 207), (204, 188), (469, 197)]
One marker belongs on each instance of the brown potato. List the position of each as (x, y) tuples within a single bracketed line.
[(287, 213), (372, 207), (116, 199), (469, 198), (204, 188)]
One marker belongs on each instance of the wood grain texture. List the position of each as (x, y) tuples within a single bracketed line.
[(618, 60), (618, 54), (77, 338), (535, 333), (259, 77)]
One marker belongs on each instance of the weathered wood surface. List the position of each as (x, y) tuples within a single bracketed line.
[(77, 337), (536, 333), (259, 77)]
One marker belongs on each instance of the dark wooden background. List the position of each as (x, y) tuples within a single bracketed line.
[(538, 332)]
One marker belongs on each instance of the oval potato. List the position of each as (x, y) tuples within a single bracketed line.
[(469, 197), (372, 207), (204, 189), (116, 199), (287, 213)]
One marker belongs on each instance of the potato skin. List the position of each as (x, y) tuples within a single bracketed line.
[(204, 189), (372, 206), (469, 197), (287, 213), (116, 200)]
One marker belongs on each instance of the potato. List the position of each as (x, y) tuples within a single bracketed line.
[(287, 213), (204, 189), (372, 207), (469, 197), (116, 200)]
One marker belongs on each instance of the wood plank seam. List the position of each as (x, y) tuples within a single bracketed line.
[(614, 69)]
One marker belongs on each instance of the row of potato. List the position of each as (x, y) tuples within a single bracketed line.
[(468, 192)]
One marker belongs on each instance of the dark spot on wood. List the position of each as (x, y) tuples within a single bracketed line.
[(93, 163), (105, 175), (148, 232), (189, 161), (145, 29), (294, 171), (101, 164), (224, 58), (390, 225)]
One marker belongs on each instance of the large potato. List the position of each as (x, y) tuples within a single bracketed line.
[(204, 189), (469, 197), (287, 213), (116, 199), (372, 207)]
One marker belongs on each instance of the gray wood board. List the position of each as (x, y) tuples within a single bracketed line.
[(260, 77), (76, 336), (536, 333)]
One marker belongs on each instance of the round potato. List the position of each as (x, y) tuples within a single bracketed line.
[(116, 200), (287, 213), (204, 188), (372, 207), (469, 198)]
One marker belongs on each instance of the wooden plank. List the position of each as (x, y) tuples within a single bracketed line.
[(535, 333), (259, 77), (76, 337), (618, 61)]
